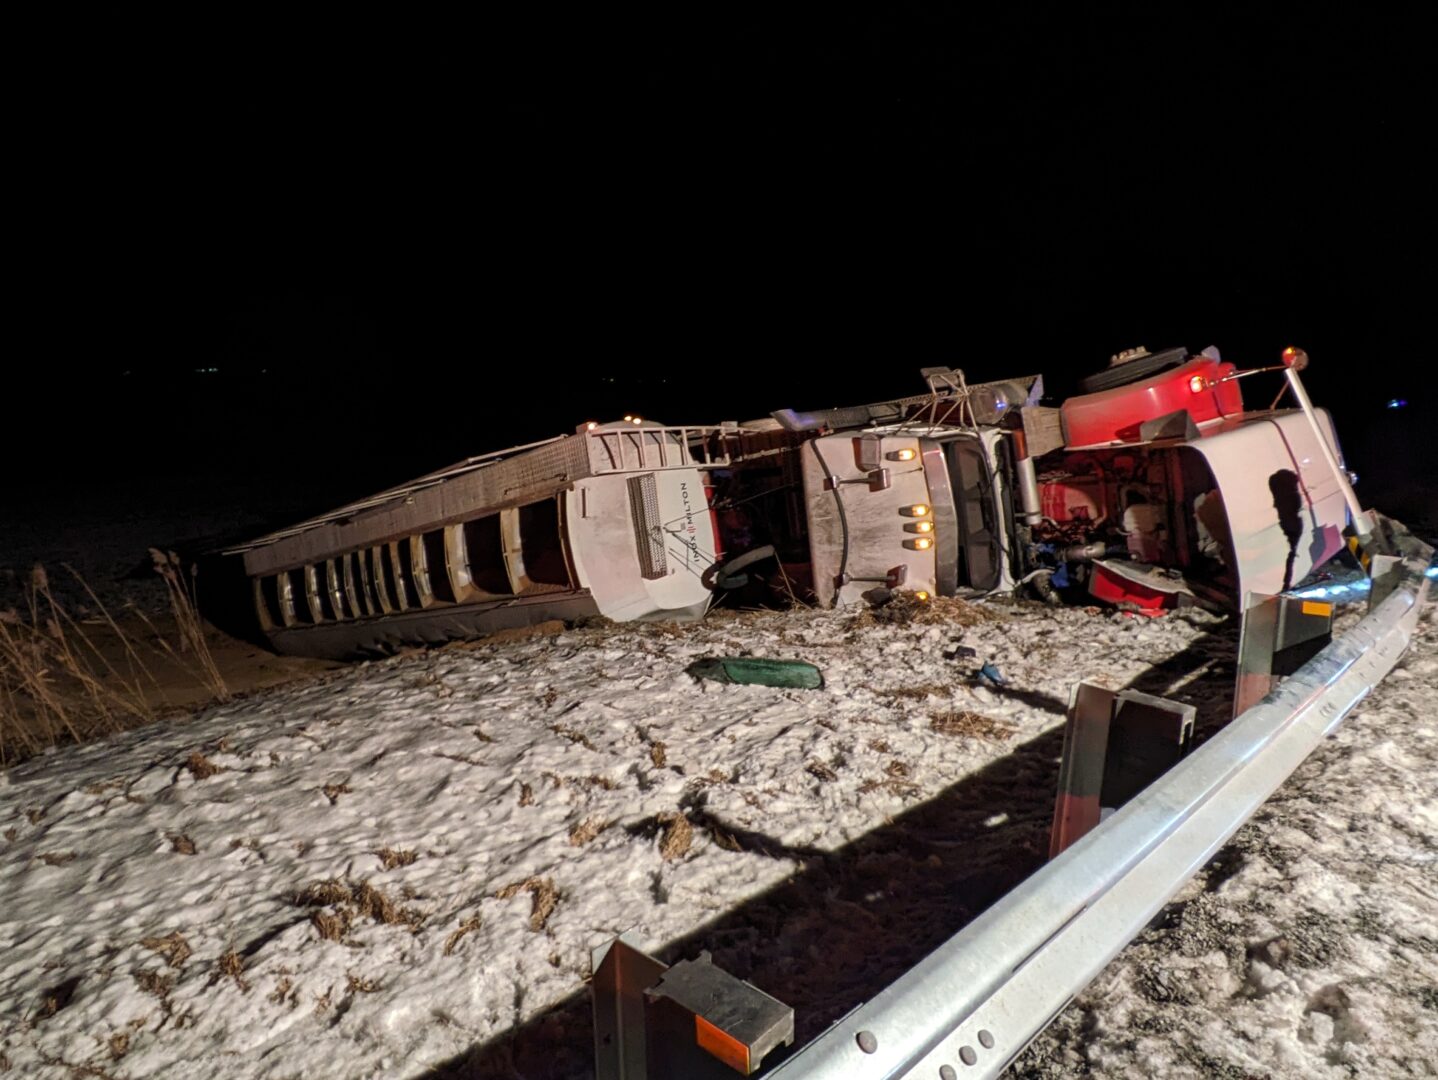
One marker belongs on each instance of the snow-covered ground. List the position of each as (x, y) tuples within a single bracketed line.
[(400, 870)]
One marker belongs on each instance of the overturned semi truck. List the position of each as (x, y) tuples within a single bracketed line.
[(1154, 487)]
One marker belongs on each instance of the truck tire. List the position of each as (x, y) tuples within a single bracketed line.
[(1132, 371)]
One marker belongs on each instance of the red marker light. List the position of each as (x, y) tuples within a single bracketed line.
[(1295, 358)]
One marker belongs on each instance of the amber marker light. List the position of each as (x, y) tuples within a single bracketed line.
[(901, 455), (922, 543), (1198, 384), (917, 510), (921, 596)]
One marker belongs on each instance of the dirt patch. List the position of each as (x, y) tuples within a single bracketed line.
[(548, 628)]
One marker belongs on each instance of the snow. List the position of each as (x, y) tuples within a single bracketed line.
[(400, 869)]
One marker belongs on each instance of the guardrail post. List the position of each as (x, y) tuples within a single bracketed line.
[(692, 1020), (1279, 635), (1115, 745)]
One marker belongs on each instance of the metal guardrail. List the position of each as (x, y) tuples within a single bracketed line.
[(971, 1006)]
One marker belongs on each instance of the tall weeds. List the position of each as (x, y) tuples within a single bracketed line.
[(51, 679), (57, 683), (183, 605)]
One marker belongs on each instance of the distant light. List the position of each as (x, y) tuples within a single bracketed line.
[(1432, 571), (1397, 403), (636, 419), (590, 425), (627, 418)]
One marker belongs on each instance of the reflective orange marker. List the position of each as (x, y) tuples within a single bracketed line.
[(721, 1045)]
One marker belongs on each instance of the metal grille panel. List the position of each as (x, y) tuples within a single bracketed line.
[(648, 530)]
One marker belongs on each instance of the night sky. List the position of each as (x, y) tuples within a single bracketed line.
[(396, 248)]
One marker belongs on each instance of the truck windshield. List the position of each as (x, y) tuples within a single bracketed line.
[(979, 547)]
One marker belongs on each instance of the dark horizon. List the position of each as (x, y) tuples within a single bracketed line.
[(392, 265)]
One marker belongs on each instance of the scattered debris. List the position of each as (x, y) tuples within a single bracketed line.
[(989, 673), (793, 674)]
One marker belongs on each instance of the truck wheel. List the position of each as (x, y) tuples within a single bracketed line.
[(1132, 370)]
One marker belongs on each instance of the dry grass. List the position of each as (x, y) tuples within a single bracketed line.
[(55, 684), (526, 794), (586, 830), (919, 692), (174, 948), (391, 857), (658, 755), (232, 965), (469, 925), (577, 737), (182, 844), (676, 836), (322, 894), (181, 586), (201, 767), (119, 1045), (334, 791), (152, 982), (820, 771), (964, 723), (348, 901), (332, 925), (905, 608), (56, 858), (544, 899), (357, 985), (58, 684), (282, 991)]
